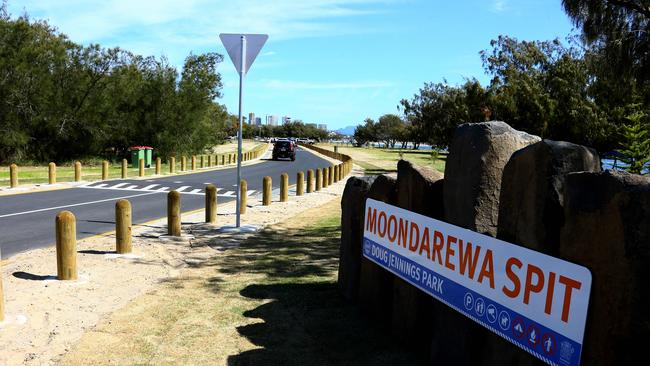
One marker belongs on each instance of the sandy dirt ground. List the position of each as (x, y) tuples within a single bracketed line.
[(44, 317)]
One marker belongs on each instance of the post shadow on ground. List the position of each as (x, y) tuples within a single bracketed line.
[(33, 277), (312, 324)]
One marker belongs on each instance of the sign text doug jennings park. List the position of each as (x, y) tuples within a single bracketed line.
[(533, 300)]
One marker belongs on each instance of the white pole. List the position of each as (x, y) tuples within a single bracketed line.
[(241, 119)]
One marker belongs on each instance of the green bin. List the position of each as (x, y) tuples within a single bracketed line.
[(137, 153), (148, 155)]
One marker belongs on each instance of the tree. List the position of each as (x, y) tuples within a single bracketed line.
[(621, 28), (636, 143), (365, 133), (389, 129)]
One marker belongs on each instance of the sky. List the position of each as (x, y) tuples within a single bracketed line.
[(335, 62)]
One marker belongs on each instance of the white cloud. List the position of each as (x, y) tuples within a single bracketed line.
[(499, 6), (292, 85)]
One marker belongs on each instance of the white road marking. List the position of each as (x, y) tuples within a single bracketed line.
[(100, 185), (119, 185), (195, 191), (181, 189), (131, 187), (163, 189), (149, 187), (75, 205)]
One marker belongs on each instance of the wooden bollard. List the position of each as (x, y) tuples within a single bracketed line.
[(13, 175), (172, 165), (183, 163), (340, 171), (66, 246), (243, 196), (202, 163), (174, 213), (319, 179), (193, 162), (51, 173), (104, 170), (310, 181), (336, 173), (2, 298), (125, 166), (326, 175), (211, 204), (223, 159), (229, 158), (266, 191), (141, 165), (209, 161), (330, 175), (158, 165), (77, 171), (123, 226), (300, 183), (284, 187)]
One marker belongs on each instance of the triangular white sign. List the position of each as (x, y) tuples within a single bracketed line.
[(232, 43)]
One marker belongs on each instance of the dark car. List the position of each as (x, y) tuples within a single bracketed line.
[(284, 149)]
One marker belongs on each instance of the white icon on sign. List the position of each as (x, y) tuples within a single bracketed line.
[(480, 307), (519, 328), (469, 301), (492, 313), (548, 345), (533, 337), (504, 320)]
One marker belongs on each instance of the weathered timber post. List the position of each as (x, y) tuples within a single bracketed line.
[(243, 195), (284, 187), (13, 175), (125, 166), (123, 226), (104, 170), (310, 181), (158, 165), (266, 191), (300, 182), (66, 246), (193, 162), (172, 165), (51, 173), (174, 213), (211, 204), (141, 172), (319, 178), (183, 163), (77, 171)]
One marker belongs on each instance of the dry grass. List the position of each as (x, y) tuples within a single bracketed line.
[(271, 301)]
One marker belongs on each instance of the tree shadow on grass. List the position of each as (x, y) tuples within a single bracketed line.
[(311, 324)]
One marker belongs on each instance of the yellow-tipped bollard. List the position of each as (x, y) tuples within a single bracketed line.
[(141, 165), (183, 163), (123, 226), (243, 195), (319, 179), (284, 187), (77, 171), (193, 162), (300, 182), (310, 181), (174, 213), (172, 165), (13, 175), (66, 246), (125, 166), (104, 170), (266, 191), (51, 173), (158, 166)]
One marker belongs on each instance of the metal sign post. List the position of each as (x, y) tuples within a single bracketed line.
[(242, 49)]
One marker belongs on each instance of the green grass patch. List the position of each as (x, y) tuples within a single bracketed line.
[(271, 301)]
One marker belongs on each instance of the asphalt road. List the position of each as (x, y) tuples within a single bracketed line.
[(27, 220)]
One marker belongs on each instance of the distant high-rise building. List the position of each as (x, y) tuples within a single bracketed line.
[(272, 120), (286, 119), (258, 121), (322, 126), (251, 118), (313, 125)]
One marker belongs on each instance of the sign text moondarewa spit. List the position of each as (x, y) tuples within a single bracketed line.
[(533, 300)]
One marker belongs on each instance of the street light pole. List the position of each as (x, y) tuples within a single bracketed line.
[(242, 73)]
